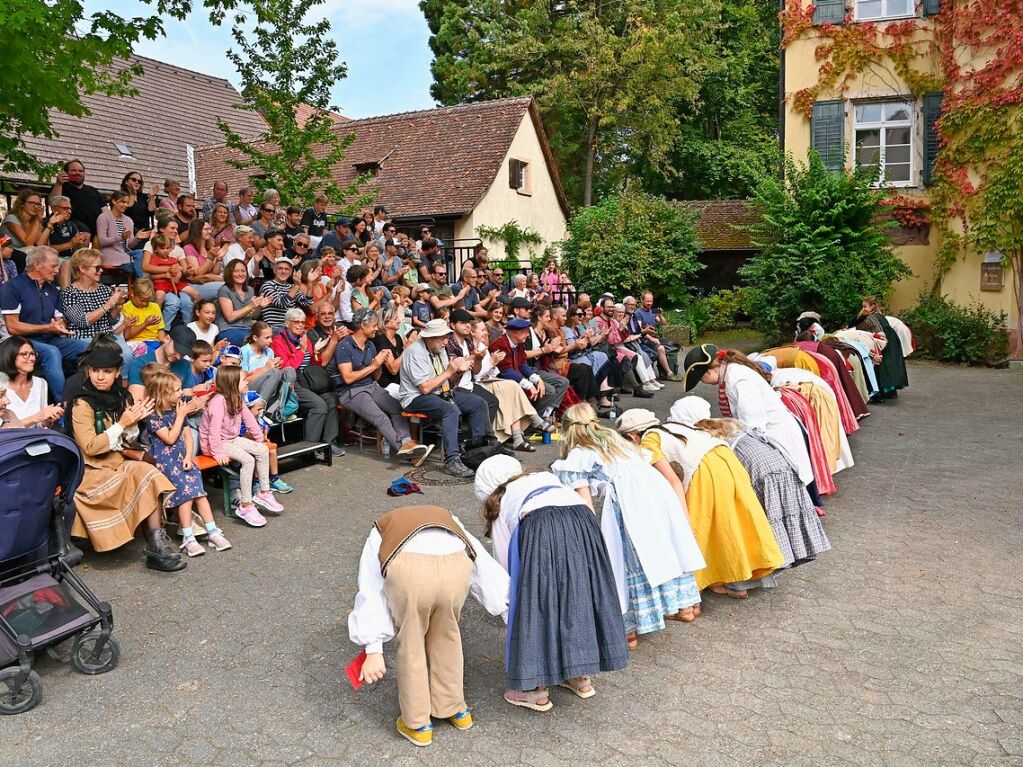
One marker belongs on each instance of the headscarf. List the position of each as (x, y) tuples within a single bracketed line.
[(494, 472), (688, 410)]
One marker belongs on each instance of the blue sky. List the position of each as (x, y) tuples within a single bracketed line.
[(383, 42)]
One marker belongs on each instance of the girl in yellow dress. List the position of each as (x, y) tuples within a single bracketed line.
[(729, 523)]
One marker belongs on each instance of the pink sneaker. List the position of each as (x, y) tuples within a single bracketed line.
[(216, 540), (265, 500), (251, 516), (192, 547)]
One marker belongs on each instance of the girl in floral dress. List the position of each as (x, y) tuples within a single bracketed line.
[(649, 541), (171, 446)]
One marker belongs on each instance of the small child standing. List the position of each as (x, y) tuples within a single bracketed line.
[(172, 450), (219, 437), (143, 314)]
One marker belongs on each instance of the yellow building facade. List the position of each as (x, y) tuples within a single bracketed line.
[(871, 116)]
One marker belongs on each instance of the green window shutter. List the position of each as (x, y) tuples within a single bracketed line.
[(827, 127), (932, 111), (931, 7), (829, 12)]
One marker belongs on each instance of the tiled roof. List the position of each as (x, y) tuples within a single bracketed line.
[(305, 111), (436, 162), (173, 107), (719, 223)]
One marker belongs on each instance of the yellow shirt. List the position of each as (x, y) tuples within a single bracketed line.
[(139, 314), (652, 441)]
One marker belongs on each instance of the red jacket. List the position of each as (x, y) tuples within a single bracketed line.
[(514, 366), (290, 354)]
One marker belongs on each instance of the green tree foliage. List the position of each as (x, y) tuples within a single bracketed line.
[(279, 73), (54, 55), (632, 242), (952, 333), (823, 247), (608, 76), (727, 140)]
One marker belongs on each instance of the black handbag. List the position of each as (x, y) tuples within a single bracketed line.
[(314, 378)]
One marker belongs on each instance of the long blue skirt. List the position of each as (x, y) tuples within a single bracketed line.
[(566, 619)]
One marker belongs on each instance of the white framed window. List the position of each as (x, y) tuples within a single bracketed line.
[(883, 138), (872, 10)]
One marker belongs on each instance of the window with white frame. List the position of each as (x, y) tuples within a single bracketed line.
[(869, 10), (883, 133)]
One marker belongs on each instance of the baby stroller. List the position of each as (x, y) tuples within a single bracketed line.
[(40, 595)]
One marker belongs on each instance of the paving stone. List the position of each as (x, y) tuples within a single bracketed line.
[(898, 648)]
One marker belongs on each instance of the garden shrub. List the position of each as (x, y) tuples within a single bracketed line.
[(824, 247), (949, 332), (726, 307), (631, 242)]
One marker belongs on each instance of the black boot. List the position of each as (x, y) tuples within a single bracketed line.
[(160, 553)]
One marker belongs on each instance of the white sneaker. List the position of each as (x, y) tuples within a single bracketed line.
[(651, 387)]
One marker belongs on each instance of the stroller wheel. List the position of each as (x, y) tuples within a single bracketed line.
[(86, 660), (17, 700)]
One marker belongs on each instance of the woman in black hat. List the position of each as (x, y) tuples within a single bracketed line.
[(118, 492)]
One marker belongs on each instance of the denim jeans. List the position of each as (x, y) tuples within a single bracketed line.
[(234, 336), (449, 413), (175, 304), (51, 351)]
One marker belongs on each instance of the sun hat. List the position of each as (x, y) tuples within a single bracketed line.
[(283, 260), (494, 472), (697, 362), (102, 358), (688, 410), (636, 419), (435, 329)]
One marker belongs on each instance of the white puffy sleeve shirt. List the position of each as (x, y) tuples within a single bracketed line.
[(370, 623)]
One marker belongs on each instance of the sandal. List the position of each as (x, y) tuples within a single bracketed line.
[(727, 592), (535, 700), (632, 640), (525, 447), (686, 615), (577, 684)]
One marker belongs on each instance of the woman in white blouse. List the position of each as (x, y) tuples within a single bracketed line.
[(26, 393)]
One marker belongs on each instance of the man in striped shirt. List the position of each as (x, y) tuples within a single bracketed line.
[(284, 293)]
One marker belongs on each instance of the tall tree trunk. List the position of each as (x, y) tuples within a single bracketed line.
[(591, 143), (1017, 290)]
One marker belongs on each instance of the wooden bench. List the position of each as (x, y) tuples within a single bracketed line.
[(226, 473)]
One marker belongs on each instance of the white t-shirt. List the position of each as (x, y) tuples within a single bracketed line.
[(35, 402), (236, 252), (210, 336)]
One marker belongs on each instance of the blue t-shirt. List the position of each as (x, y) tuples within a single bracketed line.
[(182, 369), (34, 305), (348, 351), (646, 318), (421, 311)]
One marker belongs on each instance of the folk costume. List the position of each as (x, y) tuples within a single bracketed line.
[(417, 567)]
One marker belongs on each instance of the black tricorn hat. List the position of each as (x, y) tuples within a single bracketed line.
[(697, 362)]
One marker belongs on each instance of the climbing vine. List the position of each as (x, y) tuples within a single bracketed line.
[(972, 51), (514, 237)]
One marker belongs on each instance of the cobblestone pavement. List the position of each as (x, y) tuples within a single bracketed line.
[(899, 647)]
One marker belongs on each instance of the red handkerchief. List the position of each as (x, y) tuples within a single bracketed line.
[(354, 669)]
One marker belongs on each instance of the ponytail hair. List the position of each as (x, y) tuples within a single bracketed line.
[(492, 506), (722, 428), (733, 356)]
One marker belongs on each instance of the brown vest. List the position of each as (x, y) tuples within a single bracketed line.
[(397, 528)]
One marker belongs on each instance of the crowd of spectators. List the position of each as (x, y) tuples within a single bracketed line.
[(329, 319)]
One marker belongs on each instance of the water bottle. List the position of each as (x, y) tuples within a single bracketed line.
[(613, 412), (546, 438), (386, 448)]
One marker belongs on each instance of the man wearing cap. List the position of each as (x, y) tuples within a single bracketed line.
[(284, 293), (339, 237), (544, 389), (429, 385), (458, 345), (175, 352)]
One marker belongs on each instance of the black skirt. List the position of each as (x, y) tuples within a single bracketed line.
[(566, 617)]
